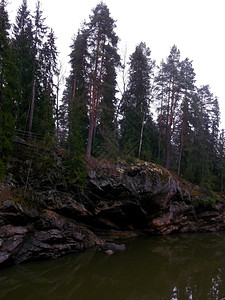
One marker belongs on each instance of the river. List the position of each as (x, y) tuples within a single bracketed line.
[(186, 266)]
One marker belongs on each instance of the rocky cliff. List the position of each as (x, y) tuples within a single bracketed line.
[(42, 216)]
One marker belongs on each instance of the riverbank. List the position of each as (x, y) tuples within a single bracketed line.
[(44, 216)]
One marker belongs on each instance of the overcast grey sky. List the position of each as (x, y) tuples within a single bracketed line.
[(196, 27)]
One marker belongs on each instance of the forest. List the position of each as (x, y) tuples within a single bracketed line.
[(110, 108)]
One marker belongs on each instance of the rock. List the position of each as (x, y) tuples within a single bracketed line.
[(45, 237), (113, 247), (15, 213), (11, 239), (109, 252), (119, 201)]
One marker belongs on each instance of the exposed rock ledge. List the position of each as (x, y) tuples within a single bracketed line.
[(119, 201)]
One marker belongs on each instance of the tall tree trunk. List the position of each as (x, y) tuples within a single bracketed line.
[(160, 131), (184, 112), (98, 88), (91, 125), (92, 102), (57, 109), (31, 109), (141, 136), (169, 130), (181, 148)]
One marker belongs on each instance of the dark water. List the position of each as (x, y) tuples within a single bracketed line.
[(172, 267)]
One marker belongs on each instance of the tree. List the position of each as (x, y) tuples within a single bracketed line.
[(47, 93), (8, 89), (136, 101), (221, 161), (169, 86), (36, 59), (23, 44), (201, 151), (44, 69), (184, 120), (75, 97), (103, 59)]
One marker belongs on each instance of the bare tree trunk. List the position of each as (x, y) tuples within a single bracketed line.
[(31, 109), (98, 88), (91, 125), (93, 102), (181, 148), (57, 111), (160, 131), (90, 135), (141, 136), (169, 130), (222, 184)]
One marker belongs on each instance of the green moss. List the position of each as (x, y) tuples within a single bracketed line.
[(204, 200), (2, 169)]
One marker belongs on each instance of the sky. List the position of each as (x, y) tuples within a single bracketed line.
[(196, 27)]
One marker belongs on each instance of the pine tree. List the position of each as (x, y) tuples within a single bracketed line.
[(103, 59), (183, 127), (91, 86), (169, 87)]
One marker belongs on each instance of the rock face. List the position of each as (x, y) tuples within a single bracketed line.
[(30, 235), (146, 197), (119, 201)]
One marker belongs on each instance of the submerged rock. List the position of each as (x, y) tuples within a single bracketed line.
[(109, 252), (113, 247)]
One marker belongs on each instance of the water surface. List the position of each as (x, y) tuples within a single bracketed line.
[(190, 266)]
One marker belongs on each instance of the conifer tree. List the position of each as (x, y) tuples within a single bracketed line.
[(169, 87), (43, 93), (36, 57), (47, 94), (136, 101), (23, 45), (8, 88), (75, 108), (200, 155), (221, 162), (103, 59), (183, 126)]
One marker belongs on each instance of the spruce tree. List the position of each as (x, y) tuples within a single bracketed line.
[(8, 88), (23, 45), (44, 67), (136, 104), (221, 162), (75, 108), (45, 115), (36, 57)]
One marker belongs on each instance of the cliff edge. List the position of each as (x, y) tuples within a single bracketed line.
[(43, 216)]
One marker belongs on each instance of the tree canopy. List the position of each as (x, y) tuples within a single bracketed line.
[(161, 116)]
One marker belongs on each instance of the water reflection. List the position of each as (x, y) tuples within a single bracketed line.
[(172, 267)]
